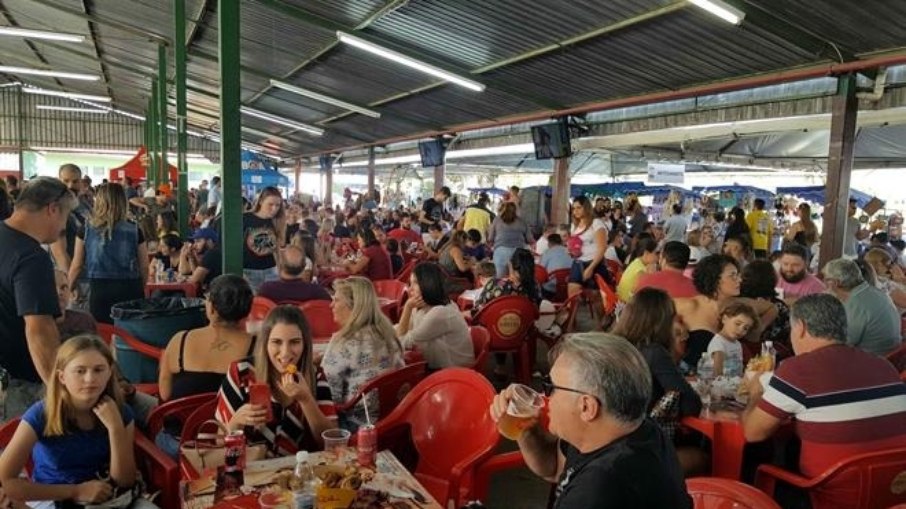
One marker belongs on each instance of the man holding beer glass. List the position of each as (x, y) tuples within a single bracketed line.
[(599, 448)]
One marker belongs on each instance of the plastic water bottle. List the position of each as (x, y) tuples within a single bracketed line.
[(304, 497), (705, 367)]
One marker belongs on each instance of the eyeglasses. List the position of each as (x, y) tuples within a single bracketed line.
[(548, 388)]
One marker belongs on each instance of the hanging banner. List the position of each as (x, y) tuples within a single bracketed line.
[(666, 173)]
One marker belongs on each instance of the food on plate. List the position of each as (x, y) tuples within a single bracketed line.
[(351, 478), (757, 365)]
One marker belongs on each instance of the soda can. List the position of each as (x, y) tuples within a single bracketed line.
[(366, 445), (234, 454)]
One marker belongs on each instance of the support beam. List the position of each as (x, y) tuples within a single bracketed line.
[(371, 170), (327, 191), (182, 137), (439, 172), (297, 170), (20, 129), (839, 170), (154, 131), (230, 136), (163, 175), (560, 189)]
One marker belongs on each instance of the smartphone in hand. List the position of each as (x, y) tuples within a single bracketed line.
[(260, 394)]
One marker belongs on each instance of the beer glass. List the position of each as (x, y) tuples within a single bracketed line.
[(522, 411)]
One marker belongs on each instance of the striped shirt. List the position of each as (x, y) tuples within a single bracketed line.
[(845, 402), (288, 432)]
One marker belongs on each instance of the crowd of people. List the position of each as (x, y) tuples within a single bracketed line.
[(712, 292)]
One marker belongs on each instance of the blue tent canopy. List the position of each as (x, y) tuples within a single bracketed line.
[(489, 190), (815, 194), (757, 192), (608, 188)]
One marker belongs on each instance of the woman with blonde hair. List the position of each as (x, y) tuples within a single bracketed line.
[(889, 276), (803, 231), (112, 252), (79, 437), (301, 403), (452, 259), (264, 230), (365, 347)]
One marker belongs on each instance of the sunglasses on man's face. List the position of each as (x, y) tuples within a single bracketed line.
[(548, 388)]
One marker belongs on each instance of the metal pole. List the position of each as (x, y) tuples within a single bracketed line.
[(182, 138), (845, 109), (164, 173), (21, 129), (438, 178), (371, 170), (230, 136), (560, 197), (153, 161)]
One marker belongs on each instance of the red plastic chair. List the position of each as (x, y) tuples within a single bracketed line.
[(717, 493), (394, 290), (616, 271), (391, 387), (105, 332), (510, 320), (481, 346), (159, 471), (406, 271), (320, 319), (134, 343), (565, 318), (261, 306), (446, 419), (6, 434), (609, 298), (178, 408), (865, 481), (541, 275), (561, 279)]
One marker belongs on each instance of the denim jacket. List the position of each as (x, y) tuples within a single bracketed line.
[(115, 257)]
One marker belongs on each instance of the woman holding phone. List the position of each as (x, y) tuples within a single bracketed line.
[(278, 396)]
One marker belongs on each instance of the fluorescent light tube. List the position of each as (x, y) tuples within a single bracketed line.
[(720, 9), (324, 98), (70, 108), (49, 73), (317, 131), (67, 95), (409, 62), (522, 148), (41, 34)]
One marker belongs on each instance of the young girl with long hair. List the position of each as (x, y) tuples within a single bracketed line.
[(112, 251), (264, 230), (301, 404), (80, 436)]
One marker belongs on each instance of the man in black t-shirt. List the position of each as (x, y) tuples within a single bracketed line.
[(433, 208), (202, 258), (28, 293), (600, 449)]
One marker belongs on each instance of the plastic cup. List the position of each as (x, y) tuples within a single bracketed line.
[(523, 409), (335, 441)]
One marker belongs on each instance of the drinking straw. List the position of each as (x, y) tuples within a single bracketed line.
[(365, 405)]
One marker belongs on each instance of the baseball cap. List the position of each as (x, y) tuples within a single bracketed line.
[(206, 233)]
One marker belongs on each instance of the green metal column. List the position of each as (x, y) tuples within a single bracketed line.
[(164, 174), (230, 132), (182, 139), (153, 160)]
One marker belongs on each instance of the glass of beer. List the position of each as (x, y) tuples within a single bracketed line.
[(522, 411)]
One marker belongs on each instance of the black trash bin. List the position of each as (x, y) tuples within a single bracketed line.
[(152, 321)]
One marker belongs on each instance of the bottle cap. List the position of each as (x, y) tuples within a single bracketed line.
[(302, 457)]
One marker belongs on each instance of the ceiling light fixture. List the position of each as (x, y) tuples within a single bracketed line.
[(721, 9), (324, 98), (9, 69), (317, 131), (521, 148), (67, 95), (409, 62), (41, 34), (73, 109)]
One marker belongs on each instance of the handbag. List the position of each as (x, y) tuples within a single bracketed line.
[(574, 244), (208, 450)]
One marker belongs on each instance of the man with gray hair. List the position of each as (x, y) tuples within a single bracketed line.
[(28, 303), (600, 447), (874, 323), (845, 401), (292, 286)]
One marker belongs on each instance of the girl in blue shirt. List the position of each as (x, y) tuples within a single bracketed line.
[(80, 436)]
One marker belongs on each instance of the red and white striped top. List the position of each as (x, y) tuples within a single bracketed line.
[(288, 432)]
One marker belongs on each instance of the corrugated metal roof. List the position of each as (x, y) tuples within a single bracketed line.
[(679, 47)]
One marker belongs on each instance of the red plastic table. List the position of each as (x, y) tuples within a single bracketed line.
[(724, 428)]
